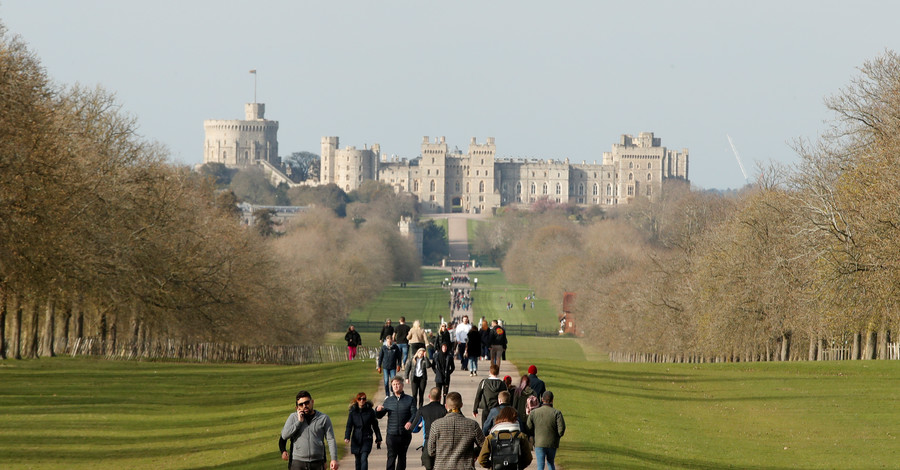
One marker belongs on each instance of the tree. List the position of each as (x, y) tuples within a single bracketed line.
[(251, 185), (303, 166)]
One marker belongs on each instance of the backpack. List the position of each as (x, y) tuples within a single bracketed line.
[(505, 452)]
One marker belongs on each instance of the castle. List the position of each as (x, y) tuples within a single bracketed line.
[(452, 181)]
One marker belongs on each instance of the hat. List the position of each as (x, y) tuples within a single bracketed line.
[(532, 370), (507, 377)]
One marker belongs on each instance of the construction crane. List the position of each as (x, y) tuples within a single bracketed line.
[(738, 157)]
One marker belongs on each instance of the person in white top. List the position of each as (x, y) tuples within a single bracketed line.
[(462, 333)]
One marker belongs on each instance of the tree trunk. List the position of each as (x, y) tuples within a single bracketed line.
[(822, 345), (869, 352), (46, 330), (33, 312), (813, 346), (786, 347), (854, 350), (65, 322), (3, 305), (882, 343), (77, 320), (15, 327)]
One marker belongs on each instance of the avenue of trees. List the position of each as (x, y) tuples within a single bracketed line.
[(803, 263), (101, 237)]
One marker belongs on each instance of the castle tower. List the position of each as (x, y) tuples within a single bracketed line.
[(241, 143), (480, 175), (432, 176), (347, 167)]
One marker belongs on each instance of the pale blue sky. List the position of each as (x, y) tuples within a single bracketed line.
[(546, 79)]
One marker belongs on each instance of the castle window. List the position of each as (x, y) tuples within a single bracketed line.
[(481, 187), (649, 165), (348, 187), (457, 186), (581, 189), (467, 186), (544, 190), (596, 189), (519, 189), (558, 189), (630, 165), (432, 185), (609, 190), (504, 187), (416, 186), (246, 155), (429, 171), (532, 188), (648, 191), (477, 172), (631, 190), (630, 176), (649, 176)]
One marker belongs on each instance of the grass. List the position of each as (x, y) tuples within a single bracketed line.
[(803, 415), (424, 300), (494, 292), (82, 413)]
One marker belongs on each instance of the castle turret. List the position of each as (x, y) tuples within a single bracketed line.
[(239, 144)]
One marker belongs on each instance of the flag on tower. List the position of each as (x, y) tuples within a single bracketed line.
[(253, 71)]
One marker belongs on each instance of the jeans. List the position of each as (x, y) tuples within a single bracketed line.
[(473, 364), (396, 450), (404, 348), (388, 375), (362, 461), (419, 385), (351, 352), (545, 452), (461, 354)]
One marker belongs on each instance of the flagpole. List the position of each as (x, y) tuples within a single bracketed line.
[(254, 85)]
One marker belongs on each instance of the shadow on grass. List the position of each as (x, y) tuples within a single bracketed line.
[(619, 457)]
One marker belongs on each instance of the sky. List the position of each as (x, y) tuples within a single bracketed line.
[(549, 80)]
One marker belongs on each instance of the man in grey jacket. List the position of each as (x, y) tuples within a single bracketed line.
[(308, 431)]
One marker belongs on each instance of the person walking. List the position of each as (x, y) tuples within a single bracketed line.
[(309, 431), (547, 425), (401, 339), (462, 336), (400, 409), (386, 331), (506, 428), (443, 367), (417, 338), (388, 362), (503, 399), (488, 391), (353, 340), (362, 426), (473, 350), (520, 399), (498, 342), (537, 385), (417, 370), (485, 340), (423, 419), (454, 440)]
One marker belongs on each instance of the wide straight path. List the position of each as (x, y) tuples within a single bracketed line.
[(460, 382)]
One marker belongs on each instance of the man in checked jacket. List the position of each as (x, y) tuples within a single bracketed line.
[(454, 440)]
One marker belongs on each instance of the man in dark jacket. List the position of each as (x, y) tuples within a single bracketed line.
[(388, 363), (443, 366), (498, 342), (401, 340), (400, 409), (423, 419), (386, 331), (488, 391)]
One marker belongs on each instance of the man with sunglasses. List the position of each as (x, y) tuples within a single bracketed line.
[(308, 431)]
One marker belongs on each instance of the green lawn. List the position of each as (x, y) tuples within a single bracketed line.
[(82, 413), (494, 292), (424, 300), (748, 415)]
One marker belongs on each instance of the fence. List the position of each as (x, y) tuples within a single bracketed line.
[(512, 329), (838, 353), (215, 352)]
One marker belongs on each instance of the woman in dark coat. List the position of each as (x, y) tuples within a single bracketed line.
[(443, 366), (353, 340), (473, 350), (362, 424)]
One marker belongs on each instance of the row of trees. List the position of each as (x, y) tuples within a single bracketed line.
[(805, 261), (101, 237)]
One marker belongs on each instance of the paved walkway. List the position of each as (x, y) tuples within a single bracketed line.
[(460, 381)]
